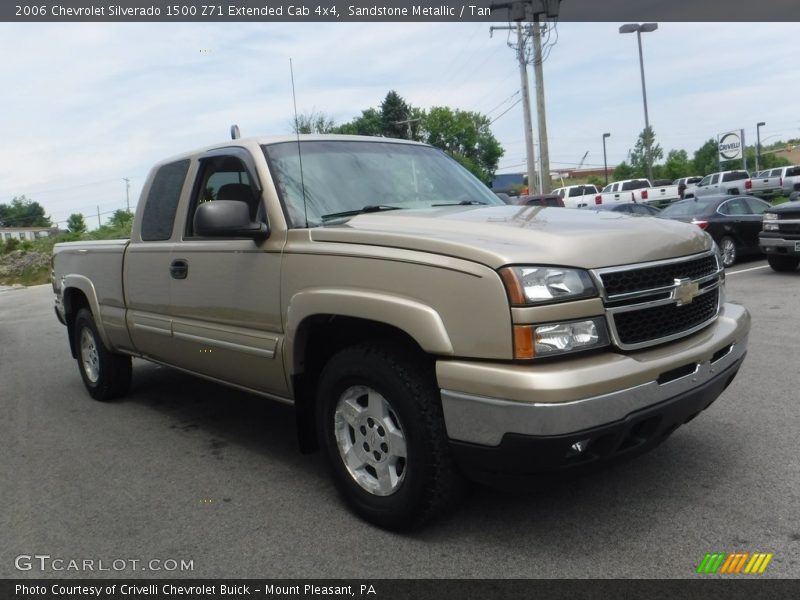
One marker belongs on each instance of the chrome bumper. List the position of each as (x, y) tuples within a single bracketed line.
[(485, 419)]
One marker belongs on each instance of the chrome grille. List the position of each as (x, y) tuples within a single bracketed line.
[(791, 228), (657, 302), (647, 278), (636, 326)]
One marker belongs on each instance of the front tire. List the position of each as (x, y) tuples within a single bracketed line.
[(381, 426), (105, 374), (728, 249), (783, 264)]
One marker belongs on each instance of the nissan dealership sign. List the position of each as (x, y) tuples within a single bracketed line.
[(731, 145)]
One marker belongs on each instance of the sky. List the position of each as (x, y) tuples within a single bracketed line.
[(85, 105)]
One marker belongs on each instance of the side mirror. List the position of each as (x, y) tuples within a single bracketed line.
[(227, 218)]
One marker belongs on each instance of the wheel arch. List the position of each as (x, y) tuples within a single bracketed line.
[(316, 339), (79, 293)]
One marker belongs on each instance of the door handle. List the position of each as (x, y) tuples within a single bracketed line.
[(179, 269)]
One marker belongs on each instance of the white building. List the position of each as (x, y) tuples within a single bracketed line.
[(26, 233)]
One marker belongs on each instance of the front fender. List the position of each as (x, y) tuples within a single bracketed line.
[(421, 322)]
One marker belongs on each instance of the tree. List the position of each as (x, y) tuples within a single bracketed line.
[(395, 117), (706, 158), (313, 122), (639, 157), (465, 136), (624, 171), (677, 165), (767, 161), (369, 123), (23, 212), (76, 224), (121, 219), (596, 180)]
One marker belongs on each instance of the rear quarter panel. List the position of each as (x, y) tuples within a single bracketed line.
[(95, 270)]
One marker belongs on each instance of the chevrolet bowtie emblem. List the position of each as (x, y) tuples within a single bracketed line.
[(685, 291)]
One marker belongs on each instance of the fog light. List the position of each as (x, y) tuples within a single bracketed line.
[(578, 448)]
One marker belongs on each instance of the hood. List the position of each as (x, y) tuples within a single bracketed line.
[(503, 235)]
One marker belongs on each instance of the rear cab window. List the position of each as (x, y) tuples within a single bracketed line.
[(735, 176), (161, 204)]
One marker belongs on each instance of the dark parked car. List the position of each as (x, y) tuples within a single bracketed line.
[(539, 200), (631, 208), (733, 221)]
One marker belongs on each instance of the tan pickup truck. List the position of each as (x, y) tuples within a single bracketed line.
[(423, 330)]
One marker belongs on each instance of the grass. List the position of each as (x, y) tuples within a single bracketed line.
[(36, 276), (39, 275)]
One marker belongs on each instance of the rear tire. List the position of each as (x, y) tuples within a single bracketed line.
[(105, 374), (783, 264), (381, 426), (728, 249)]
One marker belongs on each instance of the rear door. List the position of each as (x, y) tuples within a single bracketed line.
[(146, 269), (740, 222)]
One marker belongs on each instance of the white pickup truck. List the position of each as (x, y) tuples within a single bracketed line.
[(577, 196), (637, 190)]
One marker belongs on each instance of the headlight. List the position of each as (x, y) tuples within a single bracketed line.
[(537, 341), (770, 216), (538, 285)]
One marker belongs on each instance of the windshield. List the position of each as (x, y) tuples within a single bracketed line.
[(685, 208), (342, 177)]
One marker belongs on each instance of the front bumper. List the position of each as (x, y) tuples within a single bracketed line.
[(779, 245), (543, 410)]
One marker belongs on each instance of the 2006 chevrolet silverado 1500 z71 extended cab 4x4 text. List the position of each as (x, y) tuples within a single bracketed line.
[(422, 329)]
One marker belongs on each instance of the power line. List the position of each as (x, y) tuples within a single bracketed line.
[(505, 111), (501, 104)]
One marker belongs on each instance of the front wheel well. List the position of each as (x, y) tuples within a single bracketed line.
[(319, 338)]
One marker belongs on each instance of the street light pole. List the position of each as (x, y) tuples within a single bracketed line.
[(605, 161), (639, 29), (758, 144)]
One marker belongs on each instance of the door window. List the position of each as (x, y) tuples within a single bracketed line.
[(223, 178), (734, 207)]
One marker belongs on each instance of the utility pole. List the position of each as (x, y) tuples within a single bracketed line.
[(526, 109), (407, 122), (544, 151), (526, 103), (98, 216), (127, 192), (532, 10)]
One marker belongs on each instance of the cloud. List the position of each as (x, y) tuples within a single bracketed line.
[(91, 103)]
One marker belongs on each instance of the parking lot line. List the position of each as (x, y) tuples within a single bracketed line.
[(746, 270)]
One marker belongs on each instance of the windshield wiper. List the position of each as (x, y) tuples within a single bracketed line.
[(462, 203), (369, 208)]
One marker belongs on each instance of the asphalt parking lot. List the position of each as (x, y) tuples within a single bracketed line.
[(184, 470)]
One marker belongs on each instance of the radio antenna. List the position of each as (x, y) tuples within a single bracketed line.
[(299, 152)]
